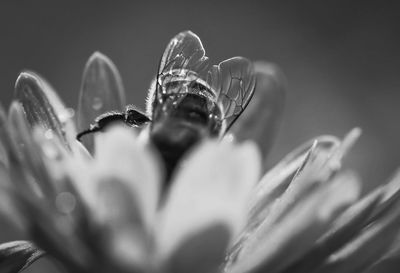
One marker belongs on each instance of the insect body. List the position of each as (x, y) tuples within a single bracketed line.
[(190, 100)]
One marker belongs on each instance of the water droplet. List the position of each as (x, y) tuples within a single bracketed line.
[(49, 134), (65, 202), (97, 103), (66, 114), (229, 138), (50, 151)]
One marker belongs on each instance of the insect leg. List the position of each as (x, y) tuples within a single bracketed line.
[(135, 117), (101, 122)]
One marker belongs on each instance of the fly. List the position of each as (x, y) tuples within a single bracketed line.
[(190, 99)]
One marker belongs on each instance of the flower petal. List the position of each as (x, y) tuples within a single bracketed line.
[(345, 227), (266, 198), (124, 188), (8, 208), (41, 104), (3, 155), (371, 209), (201, 252), (294, 234), (101, 91), (40, 193), (388, 265), (390, 197), (58, 234), (12, 167), (28, 165), (262, 117), (120, 154), (309, 176), (18, 255), (64, 114), (276, 181), (368, 247), (322, 164), (207, 200), (4, 138), (118, 218)]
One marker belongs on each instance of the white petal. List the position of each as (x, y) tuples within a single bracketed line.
[(281, 197), (43, 107), (25, 158), (344, 228), (101, 91), (119, 221), (312, 173), (120, 155), (368, 247), (275, 182), (296, 233), (211, 189)]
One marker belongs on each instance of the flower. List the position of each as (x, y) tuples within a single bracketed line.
[(104, 208)]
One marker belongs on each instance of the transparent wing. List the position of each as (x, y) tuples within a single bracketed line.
[(231, 83), (184, 55), (234, 82)]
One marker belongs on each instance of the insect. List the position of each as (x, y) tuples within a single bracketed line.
[(190, 99)]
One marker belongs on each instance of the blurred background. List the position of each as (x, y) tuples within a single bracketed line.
[(340, 57)]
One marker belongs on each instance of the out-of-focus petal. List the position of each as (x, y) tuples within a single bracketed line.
[(309, 176), (10, 187), (3, 155), (18, 255), (41, 105), (201, 252), (368, 247), (122, 234), (379, 237), (64, 114), (262, 117), (101, 91), (391, 259), (389, 264), (120, 154), (301, 227), (44, 194), (125, 190), (320, 166), (335, 161), (4, 138), (275, 182), (53, 231), (391, 195), (8, 208), (344, 228), (206, 205), (28, 166)]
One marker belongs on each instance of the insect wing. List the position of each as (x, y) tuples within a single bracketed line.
[(234, 82), (184, 55)]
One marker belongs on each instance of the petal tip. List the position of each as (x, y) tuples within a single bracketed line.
[(270, 69), (267, 67), (355, 133), (99, 58), (26, 77)]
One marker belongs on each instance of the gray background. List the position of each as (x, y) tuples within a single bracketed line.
[(340, 57)]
